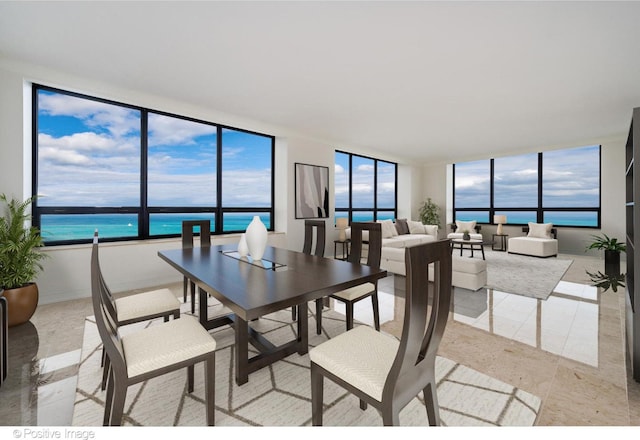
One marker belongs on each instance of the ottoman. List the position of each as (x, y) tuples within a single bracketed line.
[(468, 273), (533, 246)]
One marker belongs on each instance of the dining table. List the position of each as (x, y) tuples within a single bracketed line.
[(252, 288)]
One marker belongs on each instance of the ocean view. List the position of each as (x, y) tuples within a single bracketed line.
[(77, 227)]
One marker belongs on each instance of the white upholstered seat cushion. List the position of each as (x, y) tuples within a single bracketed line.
[(146, 304), (165, 344), (356, 292), (362, 357)]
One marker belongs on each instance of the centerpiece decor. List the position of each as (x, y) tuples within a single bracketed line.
[(256, 236), (466, 235)]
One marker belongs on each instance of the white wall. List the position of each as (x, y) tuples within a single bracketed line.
[(570, 240)]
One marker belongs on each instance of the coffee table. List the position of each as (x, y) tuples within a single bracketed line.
[(473, 245)]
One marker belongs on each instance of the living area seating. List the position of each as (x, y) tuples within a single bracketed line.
[(541, 241), (459, 227), (401, 234), (468, 273)]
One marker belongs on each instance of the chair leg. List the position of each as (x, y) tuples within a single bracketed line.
[(376, 310), (105, 372), (210, 388), (190, 377), (294, 313), (390, 417), (363, 405), (104, 355), (117, 404), (349, 312), (319, 316), (317, 391), (108, 401), (431, 402)]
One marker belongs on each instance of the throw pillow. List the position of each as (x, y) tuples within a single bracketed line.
[(415, 227), (388, 229), (401, 226), (431, 230), (540, 230), (465, 226)]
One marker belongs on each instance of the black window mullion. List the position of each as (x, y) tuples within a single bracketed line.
[(143, 216), (219, 214)]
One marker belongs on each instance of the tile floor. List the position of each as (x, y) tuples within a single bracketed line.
[(568, 350)]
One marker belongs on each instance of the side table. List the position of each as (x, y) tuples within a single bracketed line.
[(500, 244), (345, 249)]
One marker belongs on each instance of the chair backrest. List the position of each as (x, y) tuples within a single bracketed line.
[(374, 253), (188, 231), (320, 228), (424, 321), (104, 312)]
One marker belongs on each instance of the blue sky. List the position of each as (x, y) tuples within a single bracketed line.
[(89, 155), (363, 182)]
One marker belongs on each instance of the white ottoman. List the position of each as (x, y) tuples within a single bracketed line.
[(533, 246), (468, 273)]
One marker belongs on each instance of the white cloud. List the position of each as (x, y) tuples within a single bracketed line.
[(167, 130)]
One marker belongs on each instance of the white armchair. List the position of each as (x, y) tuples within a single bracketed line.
[(459, 227)]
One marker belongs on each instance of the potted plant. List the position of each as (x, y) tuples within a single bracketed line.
[(19, 260), (612, 249), (605, 281), (429, 213)]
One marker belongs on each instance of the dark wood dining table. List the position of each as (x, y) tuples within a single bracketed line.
[(251, 289)]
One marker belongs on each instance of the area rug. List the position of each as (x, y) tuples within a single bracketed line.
[(527, 276), (279, 395)]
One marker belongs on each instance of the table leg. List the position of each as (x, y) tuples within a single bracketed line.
[(303, 330), (202, 307), (241, 330)]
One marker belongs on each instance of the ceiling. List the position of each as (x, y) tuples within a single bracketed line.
[(420, 81)]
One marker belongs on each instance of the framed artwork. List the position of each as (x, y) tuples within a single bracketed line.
[(311, 191)]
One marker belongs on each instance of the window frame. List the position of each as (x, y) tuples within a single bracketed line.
[(350, 210), (539, 210), (143, 211)]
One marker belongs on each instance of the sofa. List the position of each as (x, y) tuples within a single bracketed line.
[(541, 241), (402, 233), (468, 273)]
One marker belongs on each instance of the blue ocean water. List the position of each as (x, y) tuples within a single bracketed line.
[(82, 226)]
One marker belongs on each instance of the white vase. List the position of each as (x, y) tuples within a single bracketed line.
[(243, 249), (256, 236)]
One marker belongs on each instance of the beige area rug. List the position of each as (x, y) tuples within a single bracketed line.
[(279, 395), (527, 276)]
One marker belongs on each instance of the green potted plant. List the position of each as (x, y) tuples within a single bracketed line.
[(605, 281), (612, 249), (429, 213), (20, 260)]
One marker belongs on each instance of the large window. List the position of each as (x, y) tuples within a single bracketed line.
[(135, 173), (560, 187), (365, 188)]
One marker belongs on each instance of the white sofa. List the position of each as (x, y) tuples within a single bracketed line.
[(395, 235), (541, 241), (468, 273)]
